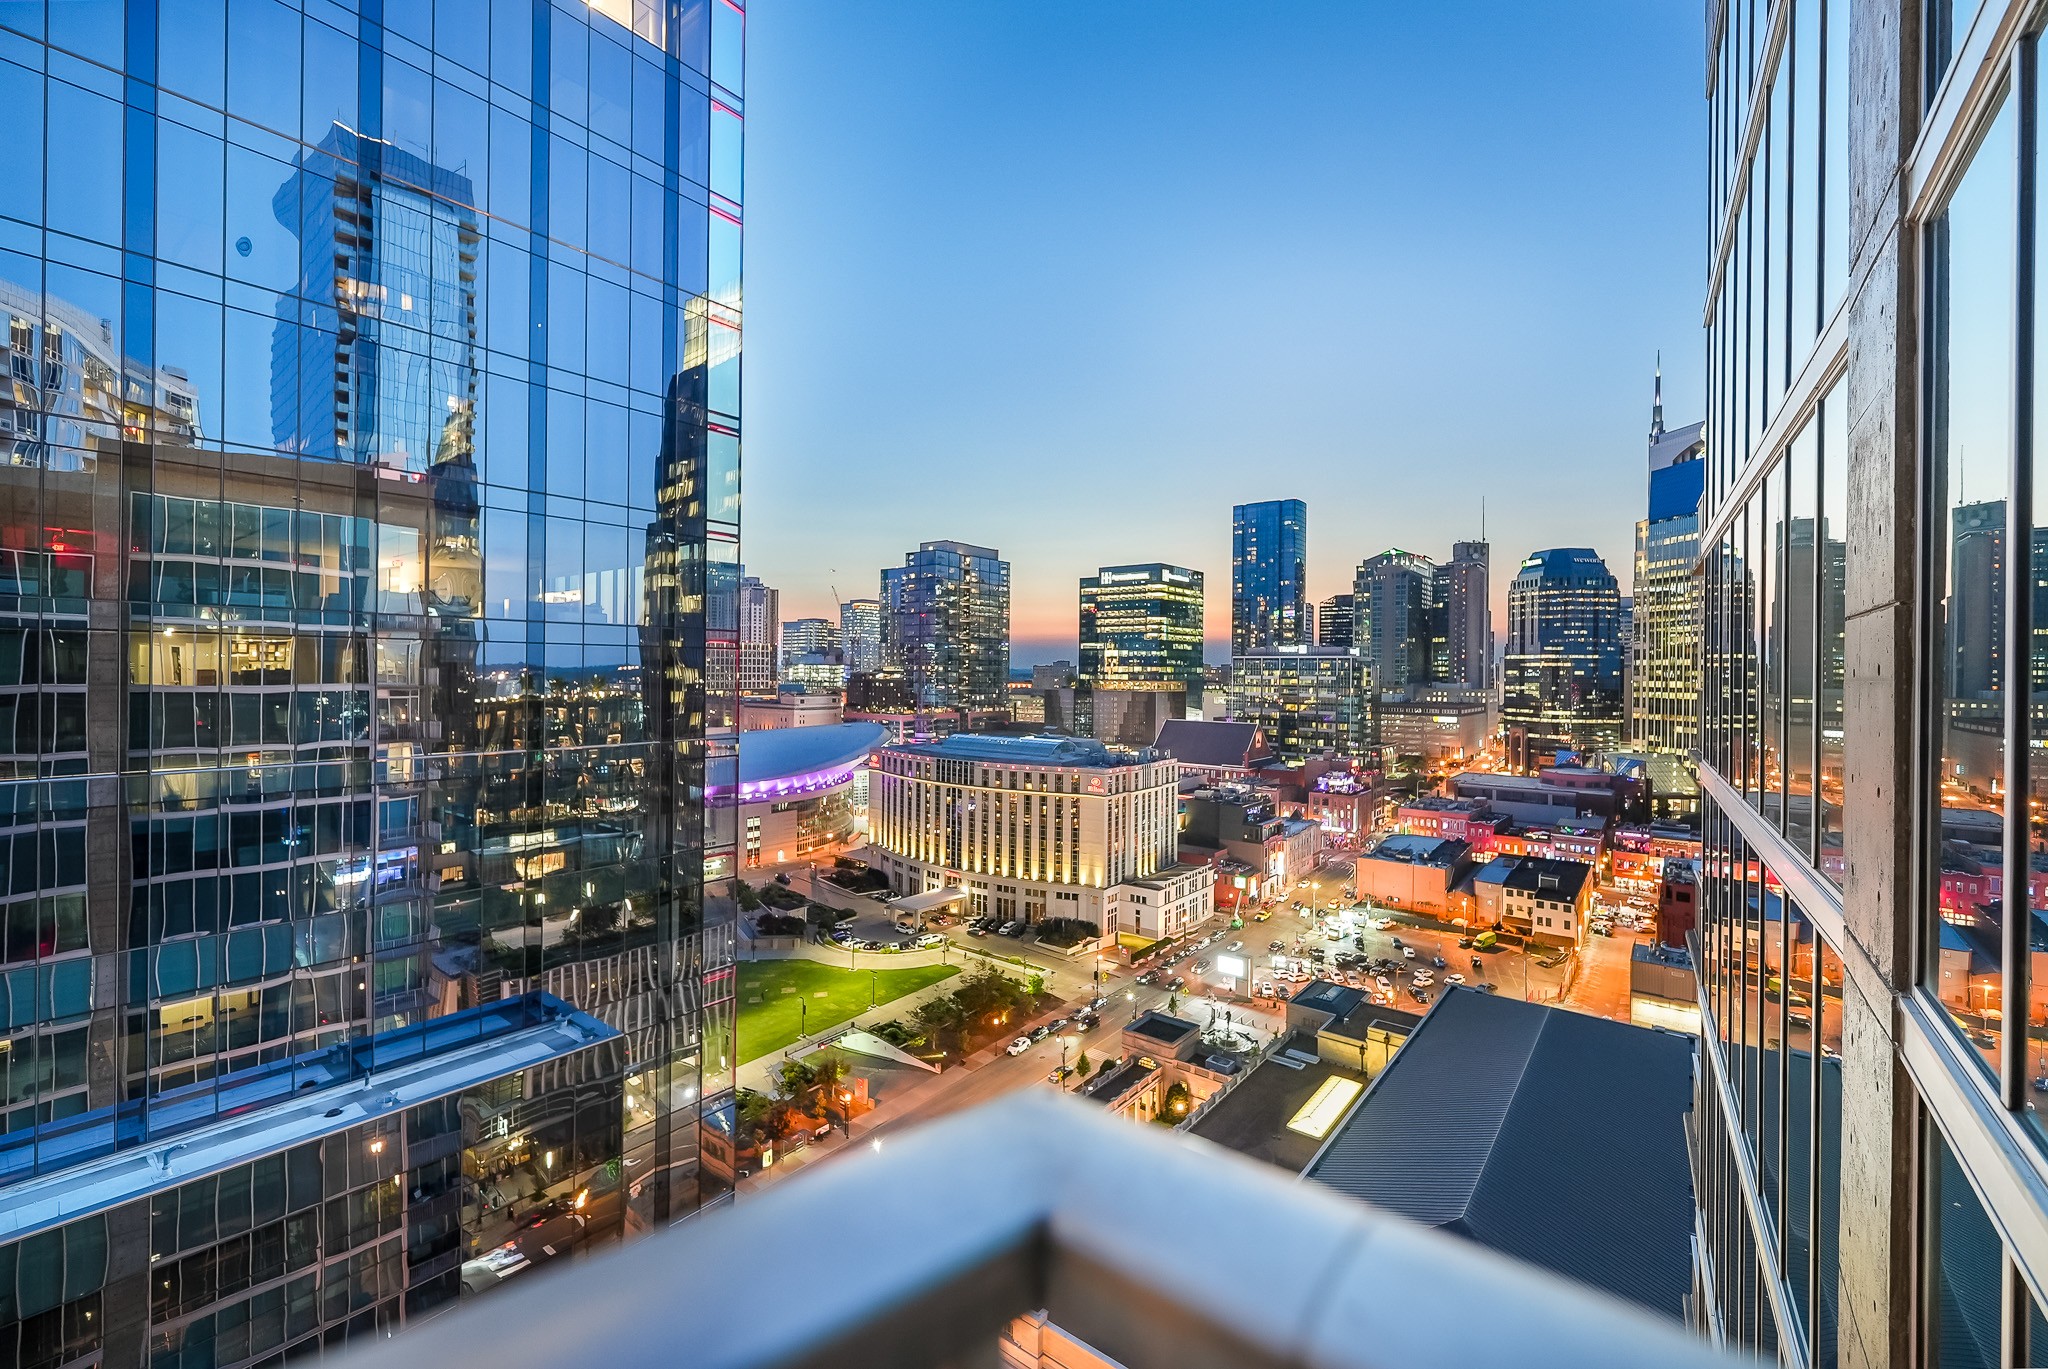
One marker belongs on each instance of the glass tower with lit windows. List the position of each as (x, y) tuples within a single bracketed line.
[(367, 640), (1872, 1171), (1141, 628), (1269, 603), (1561, 676)]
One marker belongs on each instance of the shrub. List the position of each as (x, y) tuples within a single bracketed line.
[(1067, 931), (779, 924)]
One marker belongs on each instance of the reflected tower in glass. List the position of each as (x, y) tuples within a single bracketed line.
[(368, 628)]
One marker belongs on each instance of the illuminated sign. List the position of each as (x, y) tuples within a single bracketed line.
[(1236, 966), (1325, 1107)]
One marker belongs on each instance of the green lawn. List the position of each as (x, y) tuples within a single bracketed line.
[(770, 991)]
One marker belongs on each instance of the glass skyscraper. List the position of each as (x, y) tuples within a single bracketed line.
[(1872, 1168), (1269, 604), (1141, 627), (367, 641), (1664, 666), (1561, 677), (946, 613)]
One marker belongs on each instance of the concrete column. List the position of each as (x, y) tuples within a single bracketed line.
[(1876, 1279)]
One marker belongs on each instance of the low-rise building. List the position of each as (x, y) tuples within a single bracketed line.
[(1034, 828), (1413, 873), (1244, 824), (1167, 1072), (1552, 796), (1546, 900), (1214, 752)]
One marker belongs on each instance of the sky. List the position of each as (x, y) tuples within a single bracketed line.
[(1072, 279)]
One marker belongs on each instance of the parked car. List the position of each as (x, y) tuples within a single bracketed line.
[(1464, 943), (1041, 1032), (1276, 945), (1437, 961), (1201, 967), (1235, 946), (1408, 953), (1059, 1074), (1487, 988), (1454, 979), (1020, 1045), (1397, 944), (1149, 977), (1418, 995)]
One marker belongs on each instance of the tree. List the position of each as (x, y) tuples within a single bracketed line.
[(1035, 985), (1083, 1066), (794, 1079), (1172, 1001), (749, 901), (754, 1111)]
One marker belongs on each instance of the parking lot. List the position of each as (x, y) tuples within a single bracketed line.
[(1362, 945)]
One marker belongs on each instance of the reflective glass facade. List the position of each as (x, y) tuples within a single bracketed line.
[(1309, 700), (1142, 626), (1561, 675), (1871, 1160), (369, 498), (946, 613), (1269, 603)]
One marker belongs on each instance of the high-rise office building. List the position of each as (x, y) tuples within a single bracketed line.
[(1561, 681), (1336, 620), (1269, 605), (760, 629), (1872, 1163), (1664, 644), (371, 559), (946, 618), (1397, 619), (860, 634), (1141, 628), (1307, 699), (1465, 590), (802, 637)]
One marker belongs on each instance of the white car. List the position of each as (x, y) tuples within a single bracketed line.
[(1020, 1045), (1408, 953), (1454, 979), (1424, 980)]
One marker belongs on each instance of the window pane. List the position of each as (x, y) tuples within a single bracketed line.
[(1797, 628), (1827, 1020), (1970, 355), (1833, 442), (1967, 1262)]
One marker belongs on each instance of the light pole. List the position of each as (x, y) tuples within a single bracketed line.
[(803, 1019), (874, 987)]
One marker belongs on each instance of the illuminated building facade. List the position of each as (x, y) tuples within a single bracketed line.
[(1269, 603), (860, 635), (1561, 686), (367, 620), (946, 613), (1038, 827), (1141, 626), (1664, 646), (1306, 701)]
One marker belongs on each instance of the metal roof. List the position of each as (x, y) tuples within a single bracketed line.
[(782, 753), (1052, 751), (1193, 741), (1545, 1134)]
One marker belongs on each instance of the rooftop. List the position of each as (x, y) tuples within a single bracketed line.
[(1411, 849), (795, 753), (1483, 1123), (1253, 1118), (1193, 741), (1067, 752), (99, 1160), (1325, 996), (1157, 1026), (1540, 874)]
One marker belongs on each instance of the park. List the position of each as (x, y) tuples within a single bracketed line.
[(781, 1000)]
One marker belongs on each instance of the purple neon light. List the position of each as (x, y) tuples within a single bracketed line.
[(754, 791)]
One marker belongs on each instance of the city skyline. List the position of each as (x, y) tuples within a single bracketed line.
[(1371, 286)]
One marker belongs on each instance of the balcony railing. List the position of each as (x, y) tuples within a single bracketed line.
[(1149, 1247)]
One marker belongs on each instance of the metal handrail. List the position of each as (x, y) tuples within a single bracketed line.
[(1151, 1247)]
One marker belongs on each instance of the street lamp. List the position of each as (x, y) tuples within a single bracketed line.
[(874, 987)]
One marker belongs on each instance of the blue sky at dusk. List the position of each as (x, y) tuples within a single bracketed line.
[(1070, 280)]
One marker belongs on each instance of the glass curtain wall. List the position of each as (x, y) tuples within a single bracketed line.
[(368, 525)]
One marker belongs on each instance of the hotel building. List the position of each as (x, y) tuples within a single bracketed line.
[(1038, 827)]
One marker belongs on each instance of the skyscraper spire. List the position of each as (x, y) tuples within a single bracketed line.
[(1657, 401)]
